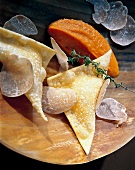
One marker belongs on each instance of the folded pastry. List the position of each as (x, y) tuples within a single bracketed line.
[(85, 82), (38, 54)]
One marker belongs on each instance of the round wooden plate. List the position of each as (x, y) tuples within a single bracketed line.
[(21, 128), (23, 131)]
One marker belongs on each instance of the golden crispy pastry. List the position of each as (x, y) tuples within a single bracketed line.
[(84, 81), (38, 54)]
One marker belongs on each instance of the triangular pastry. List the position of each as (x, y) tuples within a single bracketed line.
[(38, 54), (84, 81)]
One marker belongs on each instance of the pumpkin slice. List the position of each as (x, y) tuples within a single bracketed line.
[(77, 35), (38, 54), (84, 81)]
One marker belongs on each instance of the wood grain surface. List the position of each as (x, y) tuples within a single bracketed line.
[(23, 131), (21, 128)]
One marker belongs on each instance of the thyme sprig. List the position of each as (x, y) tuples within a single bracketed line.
[(100, 72)]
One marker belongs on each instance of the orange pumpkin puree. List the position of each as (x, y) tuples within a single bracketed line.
[(77, 35)]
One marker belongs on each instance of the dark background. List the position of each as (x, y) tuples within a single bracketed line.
[(42, 13)]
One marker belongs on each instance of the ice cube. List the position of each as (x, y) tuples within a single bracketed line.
[(100, 14), (116, 16), (22, 25), (126, 35), (102, 3), (100, 7)]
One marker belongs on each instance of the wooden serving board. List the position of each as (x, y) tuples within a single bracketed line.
[(23, 131), (21, 128)]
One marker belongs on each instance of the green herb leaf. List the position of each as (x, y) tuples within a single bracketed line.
[(75, 58)]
